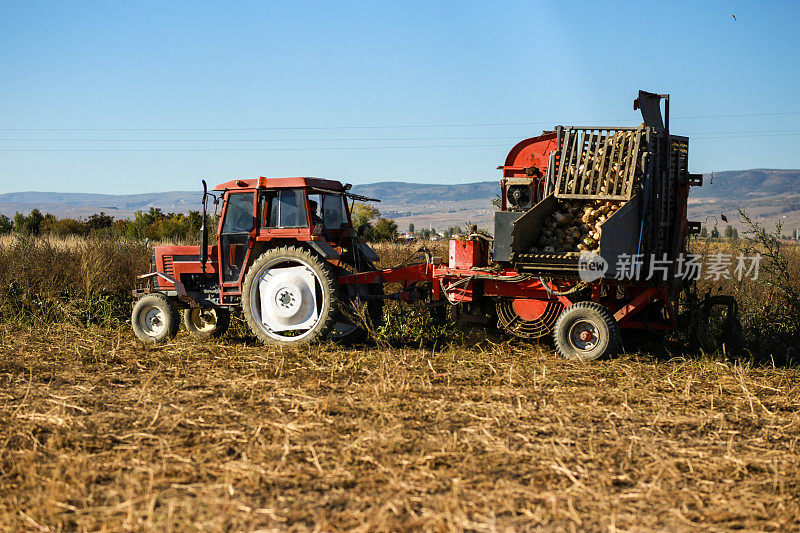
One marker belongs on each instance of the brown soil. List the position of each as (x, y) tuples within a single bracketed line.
[(99, 433)]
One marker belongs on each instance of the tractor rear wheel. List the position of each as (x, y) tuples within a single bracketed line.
[(586, 331), (155, 319), (289, 296), (206, 323)]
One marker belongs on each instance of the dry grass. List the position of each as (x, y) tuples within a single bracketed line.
[(395, 254), (100, 433)]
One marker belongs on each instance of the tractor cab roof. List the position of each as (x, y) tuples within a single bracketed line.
[(281, 183)]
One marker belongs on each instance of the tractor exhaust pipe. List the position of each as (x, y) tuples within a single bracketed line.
[(204, 231)]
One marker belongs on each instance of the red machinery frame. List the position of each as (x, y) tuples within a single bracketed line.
[(531, 294)]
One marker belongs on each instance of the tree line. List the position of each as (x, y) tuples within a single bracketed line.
[(728, 233), (154, 225), (157, 225)]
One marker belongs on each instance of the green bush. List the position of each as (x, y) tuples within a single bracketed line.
[(415, 325), (30, 224), (5, 225)]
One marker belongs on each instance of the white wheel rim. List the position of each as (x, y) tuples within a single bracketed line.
[(152, 321), (204, 320), (286, 300)]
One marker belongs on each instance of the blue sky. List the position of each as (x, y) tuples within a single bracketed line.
[(127, 97)]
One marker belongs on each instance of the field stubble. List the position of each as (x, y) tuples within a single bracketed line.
[(103, 433)]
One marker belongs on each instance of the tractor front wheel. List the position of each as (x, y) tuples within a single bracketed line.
[(586, 331), (155, 319), (206, 323)]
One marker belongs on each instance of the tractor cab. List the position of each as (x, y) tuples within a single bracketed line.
[(265, 212)]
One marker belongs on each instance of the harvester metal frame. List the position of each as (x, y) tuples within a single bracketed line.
[(532, 290)]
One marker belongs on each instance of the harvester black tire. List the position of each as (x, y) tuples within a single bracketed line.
[(601, 332), (374, 315), (206, 323), (284, 255), (155, 319)]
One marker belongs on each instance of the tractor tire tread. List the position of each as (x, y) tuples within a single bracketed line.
[(223, 322), (173, 323)]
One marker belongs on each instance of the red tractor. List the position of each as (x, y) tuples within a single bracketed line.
[(281, 245), (575, 202)]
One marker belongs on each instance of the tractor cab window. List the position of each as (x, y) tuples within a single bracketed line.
[(265, 201), (283, 209), (234, 237), (327, 209), (315, 208), (239, 215), (333, 211)]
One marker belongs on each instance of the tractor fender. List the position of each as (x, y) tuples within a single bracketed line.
[(324, 249)]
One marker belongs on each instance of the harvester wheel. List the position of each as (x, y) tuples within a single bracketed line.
[(356, 315), (289, 296), (206, 323), (155, 319), (586, 331)]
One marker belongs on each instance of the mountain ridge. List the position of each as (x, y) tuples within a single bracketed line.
[(768, 194)]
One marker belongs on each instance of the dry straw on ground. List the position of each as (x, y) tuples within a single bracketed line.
[(102, 434)]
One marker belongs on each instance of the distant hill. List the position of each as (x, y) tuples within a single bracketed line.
[(403, 192), (84, 204), (769, 195), (743, 184), (426, 204)]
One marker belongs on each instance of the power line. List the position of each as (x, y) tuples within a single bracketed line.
[(332, 139), (359, 139), (745, 136), (311, 128), (245, 149), (743, 132), (400, 126), (715, 135)]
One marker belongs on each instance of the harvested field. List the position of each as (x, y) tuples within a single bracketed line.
[(100, 433)]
